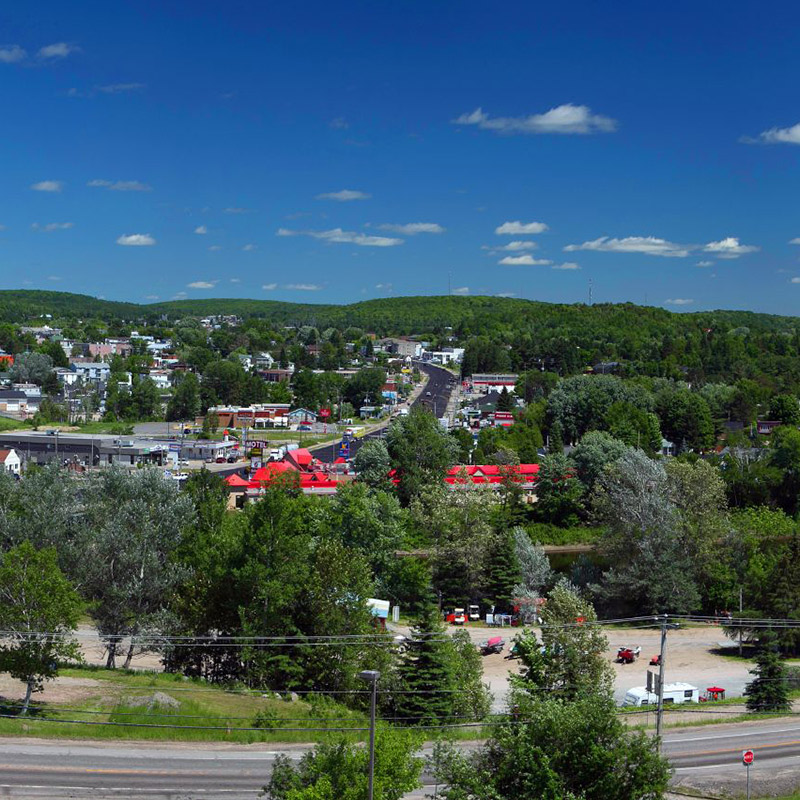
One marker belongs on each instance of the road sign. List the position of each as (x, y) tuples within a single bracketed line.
[(344, 450), (748, 757), (324, 413), (651, 682)]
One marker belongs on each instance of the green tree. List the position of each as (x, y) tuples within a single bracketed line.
[(373, 463), (39, 610), (506, 401), (686, 419), (185, 401), (785, 409), (785, 456), (559, 492), (578, 750), (421, 452), (502, 570), (768, 691), (145, 399), (56, 353), (595, 451), (31, 368), (337, 770)]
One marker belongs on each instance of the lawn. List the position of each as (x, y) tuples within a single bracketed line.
[(7, 424), (107, 704)]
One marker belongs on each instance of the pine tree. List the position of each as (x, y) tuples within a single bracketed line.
[(768, 691), (503, 571), (505, 402), (424, 672)]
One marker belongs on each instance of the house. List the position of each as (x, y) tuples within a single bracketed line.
[(66, 377), (264, 361), (160, 378), (483, 382), (91, 371), (10, 461), (401, 347), (766, 426), (13, 401), (246, 361)]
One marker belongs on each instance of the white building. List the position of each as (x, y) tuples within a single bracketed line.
[(10, 461)]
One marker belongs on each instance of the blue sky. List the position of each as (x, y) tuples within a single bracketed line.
[(334, 152)]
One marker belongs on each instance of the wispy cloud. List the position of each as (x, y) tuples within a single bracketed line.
[(461, 290), (344, 196), (515, 247), (120, 88), (339, 124), (506, 294), (413, 228), (249, 248), (384, 286), (201, 230), (303, 287), (12, 54), (795, 241), (795, 280), (215, 247), (236, 280), (345, 237), (120, 186), (136, 240), (57, 50), (729, 248), (649, 245), (705, 264), (567, 265), (563, 119), (518, 228), (151, 297), (236, 210), (201, 285), (524, 261), (48, 186), (679, 301), (54, 278), (52, 226), (180, 296), (789, 135), (269, 287)]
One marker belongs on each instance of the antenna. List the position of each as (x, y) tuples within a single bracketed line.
[(590, 291), (449, 281)]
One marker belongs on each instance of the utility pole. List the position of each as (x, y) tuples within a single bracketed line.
[(740, 624), (371, 676), (665, 626)]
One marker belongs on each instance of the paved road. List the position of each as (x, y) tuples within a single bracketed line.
[(434, 396), (59, 769)]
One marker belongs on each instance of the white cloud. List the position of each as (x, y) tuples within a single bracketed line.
[(54, 277), (524, 261), (11, 54), (57, 50), (340, 124), (270, 287), (248, 248), (413, 228), (386, 286), (345, 237), (120, 186), (236, 210), (567, 265), (201, 285), (180, 296), (679, 301), (514, 247), (52, 226), (795, 280), (151, 297), (236, 280), (649, 245), (2, 227), (518, 228), (795, 241), (567, 119), (729, 248), (215, 247), (461, 290), (201, 230), (705, 263), (303, 287), (776, 136), (506, 294), (119, 88), (48, 186), (136, 240), (344, 195)]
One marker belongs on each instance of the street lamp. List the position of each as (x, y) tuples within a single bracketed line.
[(371, 676)]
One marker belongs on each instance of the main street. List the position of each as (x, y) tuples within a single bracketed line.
[(179, 771)]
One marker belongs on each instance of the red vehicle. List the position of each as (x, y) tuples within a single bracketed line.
[(627, 655), (655, 661), (493, 645)]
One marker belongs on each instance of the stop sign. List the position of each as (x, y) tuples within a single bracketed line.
[(747, 757)]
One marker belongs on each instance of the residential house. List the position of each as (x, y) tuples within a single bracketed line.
[(13, 401), (10, 461), (302, 416), (91, 371)]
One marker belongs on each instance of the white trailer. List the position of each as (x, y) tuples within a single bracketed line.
[(674, 693)]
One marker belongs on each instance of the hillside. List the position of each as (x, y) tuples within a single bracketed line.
[(406, 315)]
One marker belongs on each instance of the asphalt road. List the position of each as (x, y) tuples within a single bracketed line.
[(82, 769), (434, 396)]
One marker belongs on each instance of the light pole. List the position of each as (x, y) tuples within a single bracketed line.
[(371, 676)]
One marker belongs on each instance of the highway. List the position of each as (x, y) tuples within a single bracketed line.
[(438, 384), (180, 771)]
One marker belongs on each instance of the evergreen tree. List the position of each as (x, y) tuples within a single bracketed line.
[(503, 570), (505, 402), (769, 690), (185, 402)]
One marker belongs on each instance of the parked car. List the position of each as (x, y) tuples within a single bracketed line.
[(221, 460), (232, 459), (304, 427)]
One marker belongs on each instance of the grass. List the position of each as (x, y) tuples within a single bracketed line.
[(203, 712), (7, 424)]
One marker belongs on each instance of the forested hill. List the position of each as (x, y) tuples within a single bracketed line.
[(466, 316)]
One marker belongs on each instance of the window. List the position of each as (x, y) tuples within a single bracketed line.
[(669, 700), (688, 693)]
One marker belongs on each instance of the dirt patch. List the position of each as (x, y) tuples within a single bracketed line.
[(61, 691)]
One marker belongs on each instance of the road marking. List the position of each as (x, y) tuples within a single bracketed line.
[(95, 789), (679, 739), (717, 766), (729, 750)]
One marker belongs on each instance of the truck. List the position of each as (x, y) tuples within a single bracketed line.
[(674, 694)]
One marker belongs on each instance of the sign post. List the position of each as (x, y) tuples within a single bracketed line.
[(747, 759)]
